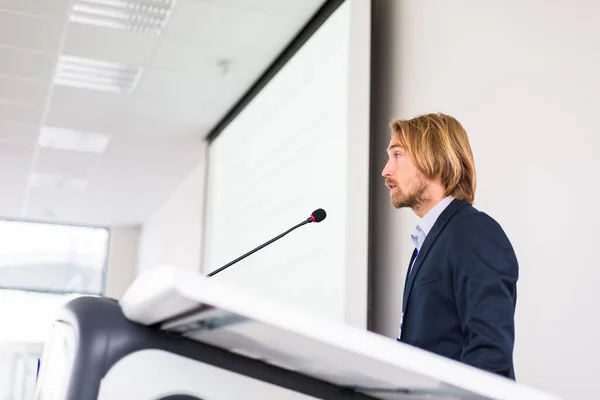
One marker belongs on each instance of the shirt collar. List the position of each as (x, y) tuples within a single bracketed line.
[(425, 224)]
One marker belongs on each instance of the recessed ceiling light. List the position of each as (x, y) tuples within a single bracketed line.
[(97, 75), (67, 139), (58, 182), (143, 16)]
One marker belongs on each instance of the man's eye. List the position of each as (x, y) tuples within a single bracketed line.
[(397, 155)]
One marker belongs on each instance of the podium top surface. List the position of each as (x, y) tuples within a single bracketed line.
[(221, 315)]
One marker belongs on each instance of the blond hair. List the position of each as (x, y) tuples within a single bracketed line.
[(439, 148)]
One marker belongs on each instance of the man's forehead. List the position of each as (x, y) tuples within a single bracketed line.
[(394, 144)]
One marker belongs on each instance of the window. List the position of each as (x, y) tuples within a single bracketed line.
[(52, 258), (42, 267)]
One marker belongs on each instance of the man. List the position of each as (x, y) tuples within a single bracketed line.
[(460, 290)]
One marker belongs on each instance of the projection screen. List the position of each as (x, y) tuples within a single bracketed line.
[(300, 144)]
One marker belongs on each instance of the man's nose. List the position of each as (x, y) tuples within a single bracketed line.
[(385, 172)]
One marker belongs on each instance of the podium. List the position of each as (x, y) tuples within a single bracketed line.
[(179, 335)]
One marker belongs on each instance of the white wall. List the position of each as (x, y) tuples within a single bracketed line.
[(122, 259), (173, 234), (522, 76)]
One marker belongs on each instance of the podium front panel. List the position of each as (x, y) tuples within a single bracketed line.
[(186, 304)]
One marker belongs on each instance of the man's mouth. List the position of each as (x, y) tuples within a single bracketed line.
[(390, 185)]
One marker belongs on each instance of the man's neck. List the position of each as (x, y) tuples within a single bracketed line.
[(435, 195), (424, 208)]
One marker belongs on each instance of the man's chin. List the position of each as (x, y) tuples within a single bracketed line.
[(402, 202), (398, 203)]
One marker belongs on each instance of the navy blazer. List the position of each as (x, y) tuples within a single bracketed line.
[(459, 299)]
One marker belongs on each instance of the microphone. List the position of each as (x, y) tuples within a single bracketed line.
[(317, 216)]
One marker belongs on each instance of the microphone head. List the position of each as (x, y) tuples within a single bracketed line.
[(318, 215)]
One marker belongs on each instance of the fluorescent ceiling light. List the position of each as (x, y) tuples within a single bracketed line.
[(67, 139), (143, 16), (97, 75), (58, 182)]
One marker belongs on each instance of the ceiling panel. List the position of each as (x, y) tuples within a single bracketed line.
[(55, 204), (200, 59), (90, 100), (157, 132), (55, 199), (159, 93), (15, 157), (169, 103), (121, 123), (18, 63), (237, 28), (15, 163), (239, 80), (11, 202), (290, 8), (50, 8), (108, 44), (18, 134), (23, 91), (20, 113), (156, 157), (170, 87), (66, 163), (30, 32)]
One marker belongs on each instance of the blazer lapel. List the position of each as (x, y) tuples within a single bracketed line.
[(439, 225), (408, 274)]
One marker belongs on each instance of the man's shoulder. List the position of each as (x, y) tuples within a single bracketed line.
[(470, 220), (475, 232)]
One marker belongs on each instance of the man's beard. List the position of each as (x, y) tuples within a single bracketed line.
[(413, 199)]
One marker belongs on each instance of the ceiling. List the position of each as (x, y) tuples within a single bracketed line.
[(204, 59)]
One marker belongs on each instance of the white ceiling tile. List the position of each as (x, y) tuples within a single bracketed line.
[(54, 204), (289, 8), (169, 87), (11, 201), (66, 163), (18, 134), (17, 63), (49, 8), (154, 158), (163, 103), (122, 122), (156, 132), (57, 183), (200, 58), (238, 83), (108, 44), (238, 28), (91, 100), (23, 91), (13, 194), (20, 113), (30, 32), (15, 163), (14, 158), (72, 140)]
